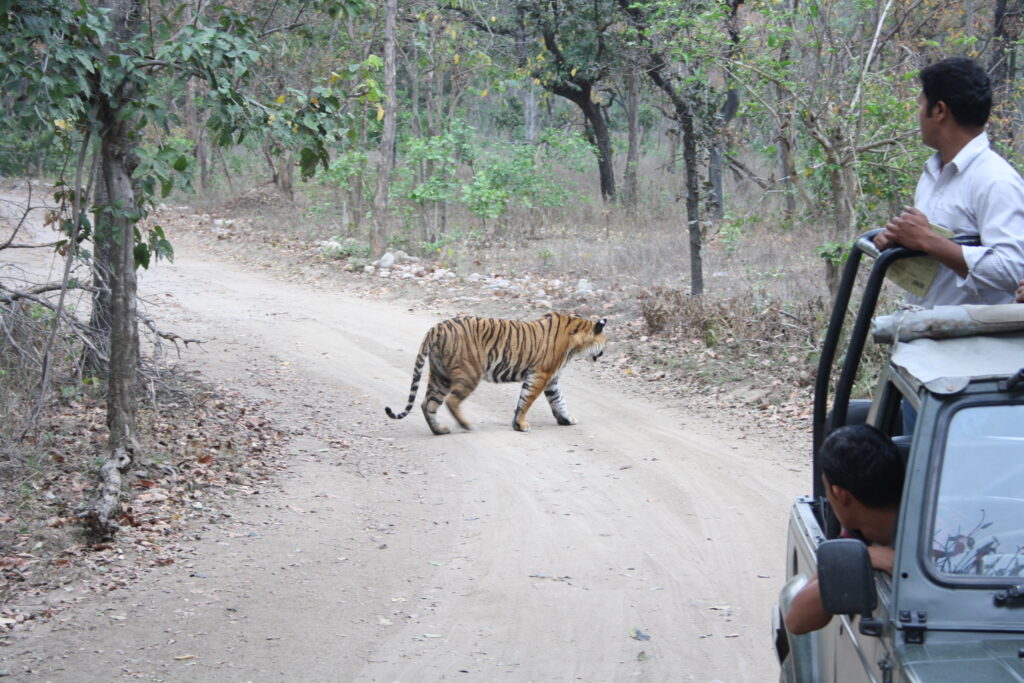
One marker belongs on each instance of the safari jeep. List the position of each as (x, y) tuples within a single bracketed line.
[(953, 609)]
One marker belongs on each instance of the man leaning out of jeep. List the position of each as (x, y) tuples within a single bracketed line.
[(863, 476)]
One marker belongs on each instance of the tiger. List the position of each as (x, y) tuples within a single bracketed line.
[(466, 349)]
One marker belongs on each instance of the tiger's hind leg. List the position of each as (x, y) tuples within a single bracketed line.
[(437, 391), (553, 393), (461, 389)]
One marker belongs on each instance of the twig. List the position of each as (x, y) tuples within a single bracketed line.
[(76, 216)]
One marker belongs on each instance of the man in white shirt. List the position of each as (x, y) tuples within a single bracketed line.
[(965, 187)]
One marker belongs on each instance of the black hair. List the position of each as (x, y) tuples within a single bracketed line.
[(866, 463), (963, 85)]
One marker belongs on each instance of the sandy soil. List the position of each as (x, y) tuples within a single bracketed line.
[(645, 543)]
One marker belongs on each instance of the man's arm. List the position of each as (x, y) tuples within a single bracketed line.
[(911, 230), (806, 613), (1020, 293)]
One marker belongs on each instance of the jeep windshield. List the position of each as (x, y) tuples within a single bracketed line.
[(977, 527)]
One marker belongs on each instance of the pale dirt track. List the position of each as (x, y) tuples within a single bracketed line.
[(390, 554)]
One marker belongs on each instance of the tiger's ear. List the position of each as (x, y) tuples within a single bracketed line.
[(600, 325)]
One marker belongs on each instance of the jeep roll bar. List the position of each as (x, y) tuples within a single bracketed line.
[(824, 421)]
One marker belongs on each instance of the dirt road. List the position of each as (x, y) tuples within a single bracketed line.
[(643, 544)]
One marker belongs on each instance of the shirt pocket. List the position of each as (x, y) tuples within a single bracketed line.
[(952, 216)]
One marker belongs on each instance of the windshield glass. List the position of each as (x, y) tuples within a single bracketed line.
[(978, 527)]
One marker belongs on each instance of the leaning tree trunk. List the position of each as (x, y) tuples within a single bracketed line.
[(603, 141), (687, 124), (117, 248), (579, 92), (657, 72)]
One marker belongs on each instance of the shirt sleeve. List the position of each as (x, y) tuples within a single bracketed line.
[(998, 264)]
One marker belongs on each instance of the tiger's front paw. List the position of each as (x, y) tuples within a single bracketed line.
[(566, 420), (521, 426)]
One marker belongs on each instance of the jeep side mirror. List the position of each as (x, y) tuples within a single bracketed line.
[(846, 582)]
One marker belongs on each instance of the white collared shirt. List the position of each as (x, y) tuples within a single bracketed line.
[(977, 194)]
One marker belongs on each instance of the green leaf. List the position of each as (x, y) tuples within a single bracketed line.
[(308, 159), (141, 253)]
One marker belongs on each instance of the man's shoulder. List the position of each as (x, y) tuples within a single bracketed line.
[(989, 167)]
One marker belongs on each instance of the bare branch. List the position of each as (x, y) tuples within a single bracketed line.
[(747, 173), (21, 221), (169, 336), (31, 292), (888, 142)]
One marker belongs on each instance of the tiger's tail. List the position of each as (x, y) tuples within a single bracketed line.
[(417, 372)]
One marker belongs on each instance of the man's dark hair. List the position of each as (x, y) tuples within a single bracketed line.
[(866, 463), (963, 85)]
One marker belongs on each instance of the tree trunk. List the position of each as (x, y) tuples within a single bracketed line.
[(630, 191), (1006, 28), (673, 148), (197, 134), (693, 203), (603, 141), (97, 353), (385, 164), (412, 70), (124, 335), (529, 92), (580, 92), (787, 163), (687, 125), (433, 89), (597, 133), (728, 112), (286, 174), (843, 181), (531, 114), (117, 161)]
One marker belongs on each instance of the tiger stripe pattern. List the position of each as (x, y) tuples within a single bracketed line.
[(465, 350)]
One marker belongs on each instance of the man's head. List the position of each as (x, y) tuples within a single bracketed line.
[(962, 86), (859, 462)]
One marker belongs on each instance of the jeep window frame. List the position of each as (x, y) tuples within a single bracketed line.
[(936, 467)]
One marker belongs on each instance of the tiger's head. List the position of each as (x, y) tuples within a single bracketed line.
[(588, 339)]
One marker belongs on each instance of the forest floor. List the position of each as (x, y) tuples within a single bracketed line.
[(301, 535)]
